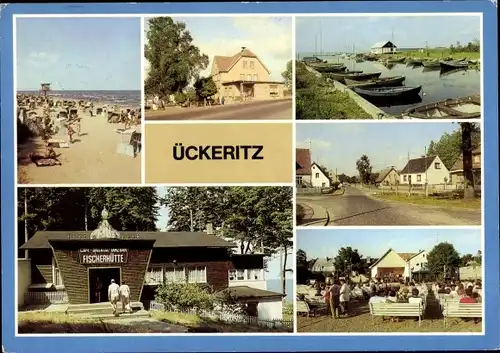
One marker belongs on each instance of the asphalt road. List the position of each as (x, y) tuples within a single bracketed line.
[(258, 110), (356, 208)]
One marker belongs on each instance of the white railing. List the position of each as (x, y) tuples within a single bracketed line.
[(228, 317), (38, 298)]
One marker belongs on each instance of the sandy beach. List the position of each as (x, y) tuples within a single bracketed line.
[(91, 158)]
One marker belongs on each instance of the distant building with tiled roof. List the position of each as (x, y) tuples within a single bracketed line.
[(426, 169), (457, 171), (303, 166), (394, 264), (388, 176), (382, 47), (243, 77)]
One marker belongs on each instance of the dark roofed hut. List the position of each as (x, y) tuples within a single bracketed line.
[(44, 89), (68, 263)]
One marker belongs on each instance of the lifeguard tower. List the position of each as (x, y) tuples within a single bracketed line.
[(44, 89)]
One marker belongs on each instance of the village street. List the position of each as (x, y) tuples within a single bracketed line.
[(259, 110), (356, 207)]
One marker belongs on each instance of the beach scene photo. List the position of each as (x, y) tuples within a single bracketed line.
[(397, 174), (398, 280), (78, 113), (388, 67), (218, 68)]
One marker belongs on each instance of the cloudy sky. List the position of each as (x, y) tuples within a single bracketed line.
[(79, 53), (340, 145), (374, 242), (340, 33), (270, 38)]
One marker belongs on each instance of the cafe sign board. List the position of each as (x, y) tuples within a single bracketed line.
[(103, 256)]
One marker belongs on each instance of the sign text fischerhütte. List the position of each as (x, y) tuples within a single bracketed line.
[(219, 152)]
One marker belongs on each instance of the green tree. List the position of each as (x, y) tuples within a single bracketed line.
[(443, 259), (479, 257), (78, 208), (255, 218), (449, 146), (373, 177), (174, 61), (301, 259), (467, 146), (348, 260), (287, 75), (464, 260), (205, 87), (364, 168)]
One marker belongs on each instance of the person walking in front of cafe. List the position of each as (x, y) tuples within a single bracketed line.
[(98, 290), (125, 297), (113, 295)]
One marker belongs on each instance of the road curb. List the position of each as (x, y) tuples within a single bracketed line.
[(426, 206), (322, 221)]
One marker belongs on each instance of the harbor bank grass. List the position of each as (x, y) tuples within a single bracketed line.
[(441, 202), (324, 103), (437, 54), (317, 99)]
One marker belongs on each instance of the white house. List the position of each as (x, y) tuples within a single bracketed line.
[(399, 264), (419, 171), (323, 266), (319, 177), (416, 264), (248, 283), (383, 47)]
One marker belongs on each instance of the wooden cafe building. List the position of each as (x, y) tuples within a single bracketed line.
[(67, 266)]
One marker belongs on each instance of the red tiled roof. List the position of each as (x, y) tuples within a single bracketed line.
[(303, 161), (225, 63), (407, 255)]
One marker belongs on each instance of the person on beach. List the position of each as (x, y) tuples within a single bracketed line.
[(113, 295), (125, 297)]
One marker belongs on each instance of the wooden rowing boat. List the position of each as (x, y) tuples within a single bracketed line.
[(461, 108), (388, 92), (451, 65), (380, 82), (355, 76), (431, 64), (328, 69)]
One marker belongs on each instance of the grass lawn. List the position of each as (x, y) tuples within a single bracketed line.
[(321, 103), (361, 321), (197, 324), (432, 201), (439, 54), (45, 322)]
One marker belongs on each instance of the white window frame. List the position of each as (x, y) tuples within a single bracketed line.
[(196, 268), (175, 271), (246, 275), (150, 280)]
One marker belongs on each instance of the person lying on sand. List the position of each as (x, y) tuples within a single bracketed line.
[(48, 159)]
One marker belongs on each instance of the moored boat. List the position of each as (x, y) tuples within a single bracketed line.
[(431, 64), (355, 76), (461, 108), (450, 65), (329, 69), (388, 92), (396, 60), (413, 62), (379, 82)]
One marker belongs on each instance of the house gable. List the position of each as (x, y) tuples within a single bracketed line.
[(390, 259)]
